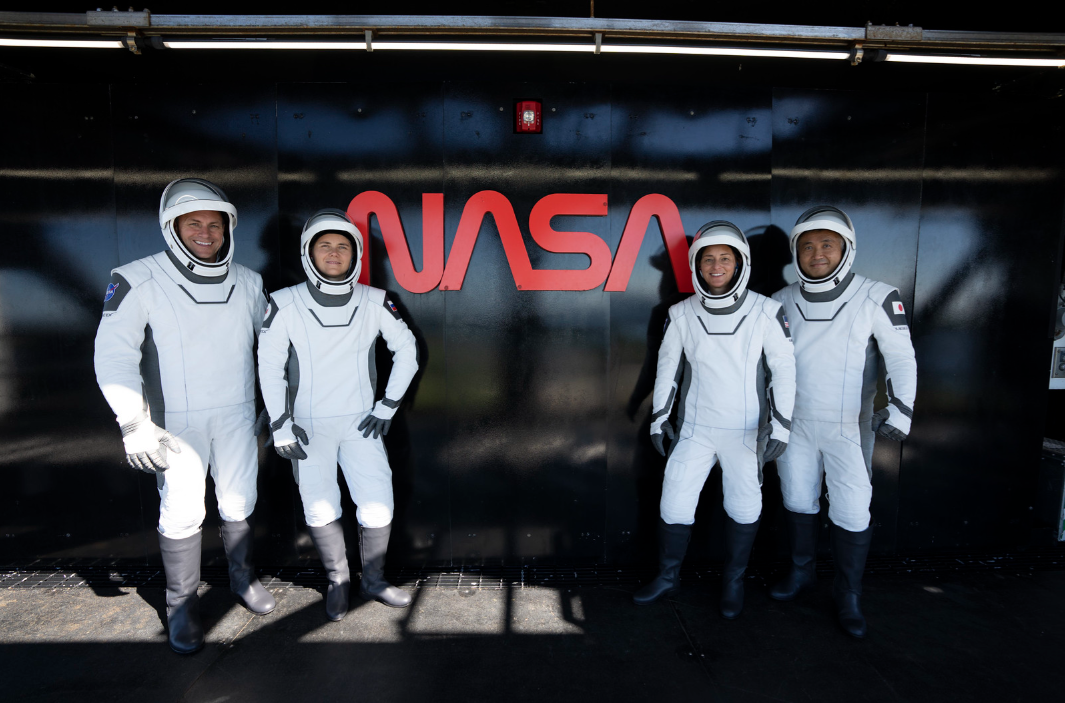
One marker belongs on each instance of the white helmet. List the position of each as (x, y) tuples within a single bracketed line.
[(331, 220), (187, 195), (835, 220), (721, 232)]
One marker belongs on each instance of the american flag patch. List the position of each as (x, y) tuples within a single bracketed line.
[(786, 325)]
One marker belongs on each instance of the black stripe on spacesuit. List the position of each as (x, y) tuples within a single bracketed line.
[(903, 408), (209, 302), (389, 403), (271, 313), (684, 375), (343, 325), (821, 319), (898, 319), (371, 366), (121, 288), (677, 378), (292, 375), (721, 334), (784, 422), (783, 322), (152, 381)]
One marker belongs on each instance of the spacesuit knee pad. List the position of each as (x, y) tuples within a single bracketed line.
[(743, 514), (234, 508), (374, 515), (850, 520), (180, 526)]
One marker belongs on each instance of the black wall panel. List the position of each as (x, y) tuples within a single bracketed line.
[(524, 436)]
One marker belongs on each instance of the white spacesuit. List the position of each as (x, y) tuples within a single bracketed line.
[(841, 323), (174, 361), (728, 356), (318, 377)]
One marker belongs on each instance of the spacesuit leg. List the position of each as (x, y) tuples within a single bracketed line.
[(850, 492), (686, 471), (800, 468), (317, 474), (742, 486), (182, 486), (365, 465), (234, 461), (235, 468)]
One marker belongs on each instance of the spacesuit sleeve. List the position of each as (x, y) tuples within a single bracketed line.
[(892, 335), (117, 354), (273, 356), (780, 371), (404, 348), (260, 307), (667, 379)]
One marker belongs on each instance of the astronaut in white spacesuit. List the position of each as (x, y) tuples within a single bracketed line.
[(318, 377), (727, 354), (174, 361), (840, 323)]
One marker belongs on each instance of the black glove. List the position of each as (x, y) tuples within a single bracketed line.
[(290, 449), (773, 450), (659, 441), (884, 429), (372, 423)]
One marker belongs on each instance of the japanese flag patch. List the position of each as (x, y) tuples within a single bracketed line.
[(897, 306)]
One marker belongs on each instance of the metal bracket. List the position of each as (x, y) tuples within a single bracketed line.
[(857, 53), (369, 40), (598, 42), (131, 41)]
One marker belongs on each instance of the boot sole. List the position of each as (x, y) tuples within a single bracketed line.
[(185, 651), (652, 602)]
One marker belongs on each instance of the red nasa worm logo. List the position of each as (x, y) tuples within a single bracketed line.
[(615, 269)]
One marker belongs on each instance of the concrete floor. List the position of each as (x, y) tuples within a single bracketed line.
[(943, 637)]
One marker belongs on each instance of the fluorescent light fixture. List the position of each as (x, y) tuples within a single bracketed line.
[(724, 51), (479, 46), (264, 44), (975, 60), (63, 43)]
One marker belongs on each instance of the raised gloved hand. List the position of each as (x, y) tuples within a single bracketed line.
[(657, 438), (882, 428), (146, 445), (286, 433), (774, 448)]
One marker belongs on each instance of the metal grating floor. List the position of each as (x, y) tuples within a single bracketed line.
[(102, 573)]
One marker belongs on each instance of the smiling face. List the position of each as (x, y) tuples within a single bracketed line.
[(717, 266), (202, 232), (819, 252), (332, 254)]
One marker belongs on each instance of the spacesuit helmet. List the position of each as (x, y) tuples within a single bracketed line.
[(187, 195), (331, 220), (832, 219), (721, 232)]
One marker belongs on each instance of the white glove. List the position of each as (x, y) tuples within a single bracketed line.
[(146, 445)]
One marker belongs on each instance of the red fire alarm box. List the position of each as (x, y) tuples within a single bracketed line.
[(528, 117)]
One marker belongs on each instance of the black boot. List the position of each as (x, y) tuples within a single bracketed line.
[(739, 539), (181, 562), (850, 550), (802, 531), (672, 544), (373, 544), (329, 541), (238, 539)]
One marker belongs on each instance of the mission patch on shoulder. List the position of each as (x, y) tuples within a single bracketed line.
[(782, 320), (115, 293), (391, 307), (894, 309)]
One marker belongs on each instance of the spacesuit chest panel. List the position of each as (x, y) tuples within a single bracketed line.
[(204, 335), (831, 344), (724, 360), (333, 345)]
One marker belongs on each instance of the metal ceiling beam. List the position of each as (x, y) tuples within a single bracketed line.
[(873, 36)]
